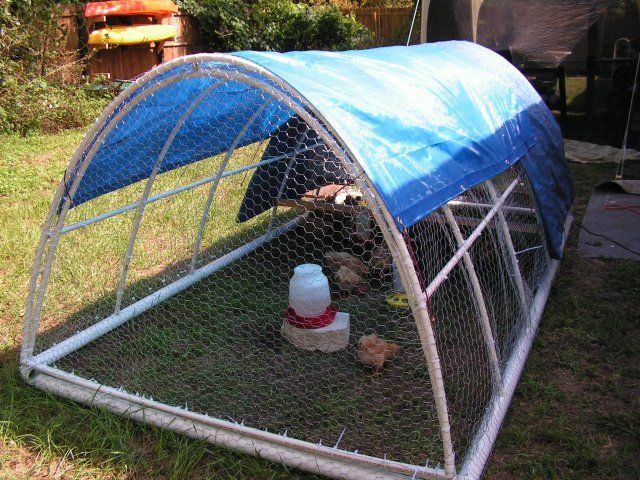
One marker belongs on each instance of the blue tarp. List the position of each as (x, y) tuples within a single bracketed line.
[(424, 122)]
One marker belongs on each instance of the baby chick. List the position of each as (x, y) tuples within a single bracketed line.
[(350, 281), (337, 260), (374, 351)]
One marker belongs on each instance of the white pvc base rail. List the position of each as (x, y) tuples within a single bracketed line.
[(325, 460)]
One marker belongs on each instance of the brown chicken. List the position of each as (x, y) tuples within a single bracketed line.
[(374, 351), (350, 281), (337, 260)]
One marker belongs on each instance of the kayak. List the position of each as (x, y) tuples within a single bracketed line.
[(131, 34), (151, 8)]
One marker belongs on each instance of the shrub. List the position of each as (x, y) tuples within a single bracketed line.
[(48, 107), (303, 27), (33, 95), (280, 25)]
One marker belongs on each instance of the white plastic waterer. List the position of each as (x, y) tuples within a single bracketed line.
[(309, 293)]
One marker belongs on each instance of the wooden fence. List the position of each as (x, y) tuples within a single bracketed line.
[(126, 62), (390, 26)]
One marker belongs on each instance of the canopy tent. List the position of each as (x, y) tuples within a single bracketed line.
[(545, 31), (425, 123)]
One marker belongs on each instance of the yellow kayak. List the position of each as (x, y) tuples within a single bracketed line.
[(131, 34)]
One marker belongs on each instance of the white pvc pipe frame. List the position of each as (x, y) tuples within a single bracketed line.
[(328, 461)]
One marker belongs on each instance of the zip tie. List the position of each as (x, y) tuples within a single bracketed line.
[(340, 437), (529, 249)]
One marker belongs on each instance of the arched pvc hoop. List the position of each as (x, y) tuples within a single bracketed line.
[(325, 460)]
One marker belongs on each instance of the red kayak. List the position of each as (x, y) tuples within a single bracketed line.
[(150, 8)]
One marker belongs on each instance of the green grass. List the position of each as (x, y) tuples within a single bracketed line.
[(30, 168), (574, 414)]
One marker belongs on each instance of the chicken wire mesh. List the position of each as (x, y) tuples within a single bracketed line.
[(246, 217), (456, 309)]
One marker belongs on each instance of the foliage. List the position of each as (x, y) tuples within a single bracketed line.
[(49, 107), (34, 79), (29, 35), (279, 25), (350, 4)]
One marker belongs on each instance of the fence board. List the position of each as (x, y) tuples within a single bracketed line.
[(188, 40), (390, 26), (69, 23)]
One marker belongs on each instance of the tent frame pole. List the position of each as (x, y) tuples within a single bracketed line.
[(515, 264), (216, 181), (485, 321), (142, 203), (466, 245)]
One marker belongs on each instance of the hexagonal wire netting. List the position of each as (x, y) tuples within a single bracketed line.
[(173, 288)]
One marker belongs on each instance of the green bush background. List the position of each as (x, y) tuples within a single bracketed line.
[(279, 25), (40, 93), (33, 94)]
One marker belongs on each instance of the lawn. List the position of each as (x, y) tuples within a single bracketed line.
[(575, 414)]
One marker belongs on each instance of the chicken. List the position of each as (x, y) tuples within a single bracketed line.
[(348, 196), (374, 351), (350, 281), (337, 260), (381, 260)]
